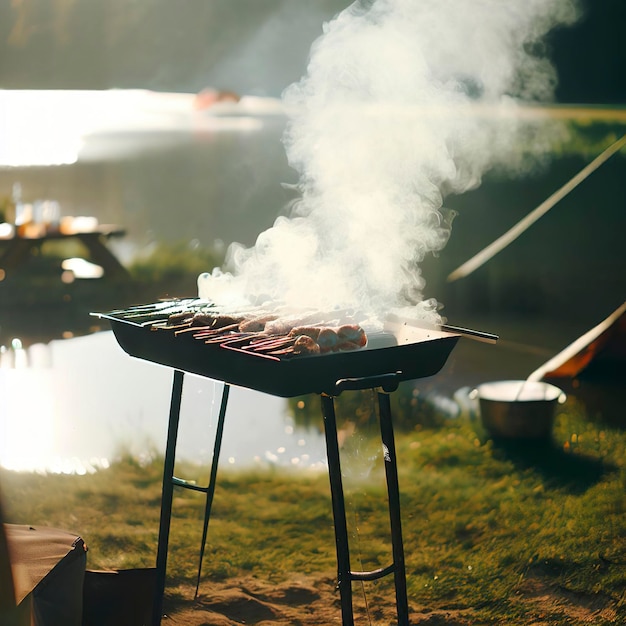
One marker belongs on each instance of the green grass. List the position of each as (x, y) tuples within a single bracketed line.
[(479, 518), (174, 261)]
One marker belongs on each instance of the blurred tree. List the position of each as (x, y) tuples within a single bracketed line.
[(249, 45), (591, 55)]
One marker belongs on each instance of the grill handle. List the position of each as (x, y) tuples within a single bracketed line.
[(471, 334), (388, 383)]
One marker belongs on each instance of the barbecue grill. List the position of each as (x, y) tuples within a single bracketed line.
[(397, 352)]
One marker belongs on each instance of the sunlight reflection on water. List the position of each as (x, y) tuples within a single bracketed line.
[(71, 406)]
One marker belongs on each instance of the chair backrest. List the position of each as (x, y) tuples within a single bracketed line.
[(9, 612), (28, 593), (7, 590)]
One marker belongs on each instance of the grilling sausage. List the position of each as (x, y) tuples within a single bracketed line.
[(256, 324), (269, 333), (305, 345), (352, 333), (309, 331)]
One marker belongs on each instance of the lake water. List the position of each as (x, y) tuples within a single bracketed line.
[(167, 173), (73, 405), (149, 162)]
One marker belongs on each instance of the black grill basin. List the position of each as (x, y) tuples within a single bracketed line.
[(401, 352)]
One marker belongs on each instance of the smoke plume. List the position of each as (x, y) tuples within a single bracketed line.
[(403, 103)]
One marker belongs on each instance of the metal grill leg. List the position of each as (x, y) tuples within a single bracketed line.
[(391, 474), (210, 490), (167, 496), (345, 575), (344, 579)]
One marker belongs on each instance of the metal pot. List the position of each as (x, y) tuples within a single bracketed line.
[(518, 409)]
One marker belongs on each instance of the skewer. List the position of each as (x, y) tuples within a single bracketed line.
[(209, 330), (275, 345), (163, 308), (230, 338), (260, 355), (175, 327), (263, 338), (266, 340), (190, 328), (151, 322), (283, 352)]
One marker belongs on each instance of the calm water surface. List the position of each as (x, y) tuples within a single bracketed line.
[(164, 172), (73, 405), (167, 174)]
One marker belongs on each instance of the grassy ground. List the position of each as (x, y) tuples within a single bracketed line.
[(493, 533)]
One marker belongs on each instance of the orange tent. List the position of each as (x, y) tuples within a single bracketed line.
[(604, 343)]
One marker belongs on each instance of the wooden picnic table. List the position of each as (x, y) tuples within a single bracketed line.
[(15, 249)]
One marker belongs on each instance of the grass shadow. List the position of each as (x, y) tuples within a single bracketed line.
[(600, 390), (570, 471)]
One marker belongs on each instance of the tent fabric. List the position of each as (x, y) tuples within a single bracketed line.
[(605, 342)]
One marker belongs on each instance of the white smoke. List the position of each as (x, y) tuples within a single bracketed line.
[(404, 102)]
